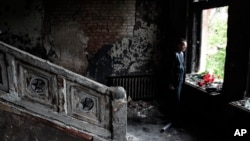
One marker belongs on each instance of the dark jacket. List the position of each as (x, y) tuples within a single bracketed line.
[(177, 70)]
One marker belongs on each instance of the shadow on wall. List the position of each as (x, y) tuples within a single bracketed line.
[(100, 65), (125, 58)]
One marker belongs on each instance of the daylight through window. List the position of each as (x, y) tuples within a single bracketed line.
[(213, 40)]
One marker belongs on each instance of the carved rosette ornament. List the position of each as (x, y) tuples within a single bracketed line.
[(37, 85), (87, 104)]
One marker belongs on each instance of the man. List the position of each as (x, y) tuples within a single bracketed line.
[(178, 68), (176, 80)]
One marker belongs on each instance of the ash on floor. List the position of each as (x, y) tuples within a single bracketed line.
[(145, 122)]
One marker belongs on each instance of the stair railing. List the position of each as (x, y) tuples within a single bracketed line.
[(42, 89)]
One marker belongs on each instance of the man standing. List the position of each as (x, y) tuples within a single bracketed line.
[(177, 70), (177, 78)]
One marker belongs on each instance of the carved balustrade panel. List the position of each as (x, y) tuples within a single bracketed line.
[(37, 86), (40, 88), (88, 105)]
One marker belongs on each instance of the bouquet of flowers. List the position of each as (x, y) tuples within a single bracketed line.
[(206, 79)]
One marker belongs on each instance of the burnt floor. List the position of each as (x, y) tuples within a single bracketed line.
[(145, 122)]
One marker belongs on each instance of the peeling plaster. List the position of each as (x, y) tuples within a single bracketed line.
[(133, 56), (68, 46)]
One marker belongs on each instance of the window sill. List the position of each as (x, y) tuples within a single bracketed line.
[(211, 89), (241, 104)]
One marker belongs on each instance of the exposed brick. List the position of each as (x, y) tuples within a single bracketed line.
[(95, 16)]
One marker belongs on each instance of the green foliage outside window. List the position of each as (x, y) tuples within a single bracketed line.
[(217, 40)]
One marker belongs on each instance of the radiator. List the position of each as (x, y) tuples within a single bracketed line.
[(137, 87)]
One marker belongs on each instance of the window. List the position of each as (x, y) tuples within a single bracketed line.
[(213, 40), (207, 36)]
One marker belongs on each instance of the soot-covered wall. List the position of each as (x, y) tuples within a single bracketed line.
[(131, 55), (21, 25), (96, 38), (77, 30)]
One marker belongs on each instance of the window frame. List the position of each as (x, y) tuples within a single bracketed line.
[(195, 30)]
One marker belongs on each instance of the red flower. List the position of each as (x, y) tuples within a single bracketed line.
[(207, 78), (200, 83)]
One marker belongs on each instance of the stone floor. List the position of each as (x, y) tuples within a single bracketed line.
[(145, 122), (151, 132)]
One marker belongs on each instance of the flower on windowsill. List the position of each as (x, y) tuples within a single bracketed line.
[(206, 79)]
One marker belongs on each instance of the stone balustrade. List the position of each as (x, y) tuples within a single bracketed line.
[(53, 93)]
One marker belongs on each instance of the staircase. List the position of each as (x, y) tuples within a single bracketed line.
[(40, 90)]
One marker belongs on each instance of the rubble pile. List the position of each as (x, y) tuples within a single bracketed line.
[(144, 111)]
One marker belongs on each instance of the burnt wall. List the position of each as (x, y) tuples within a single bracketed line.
[(21, 25), (237, 51), (95, 38), (135, 55), (77, 30)]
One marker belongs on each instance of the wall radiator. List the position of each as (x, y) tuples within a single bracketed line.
[(137, 87)]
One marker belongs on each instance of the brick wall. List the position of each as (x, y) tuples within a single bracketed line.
[(103, 21)]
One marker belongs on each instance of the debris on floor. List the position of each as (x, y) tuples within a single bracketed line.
[(145, 122)]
